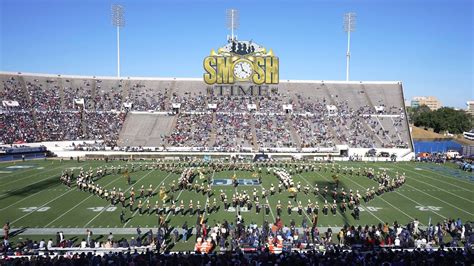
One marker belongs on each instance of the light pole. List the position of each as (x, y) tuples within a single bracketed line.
[(349, 26), (118, 21), (232, 21)]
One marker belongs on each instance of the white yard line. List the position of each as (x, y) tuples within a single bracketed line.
[(268, 203), (440, 200), (207, 200), (23, 199), (28, 184), (419, 204), (67, 192), (441, 190), (339, 212), (124, 193), (135, 213), (434, 196), (19, 172), (450, 177), (169, 213), (380, 197), (436, 179), (29, 176), (75, 206)]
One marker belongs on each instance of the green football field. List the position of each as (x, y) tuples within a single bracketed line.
[(32, 196)]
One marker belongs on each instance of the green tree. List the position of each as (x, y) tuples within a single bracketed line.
[(443, 119)]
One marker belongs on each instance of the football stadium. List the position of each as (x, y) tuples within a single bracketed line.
[(235, 167)]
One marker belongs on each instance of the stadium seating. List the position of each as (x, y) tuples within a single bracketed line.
[(299, 115)]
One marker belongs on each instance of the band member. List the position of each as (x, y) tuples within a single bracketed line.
[(181, 207), (191, 207), (173, 209), (132, 193), (309, 207), (267, 209), (140, 207), (132, 201), (325, 207), (157, 207), (226, 203), (356, 212), (198, 208), (343, 205), (278, 207), (214, 204), (334, 208), (150, 191)]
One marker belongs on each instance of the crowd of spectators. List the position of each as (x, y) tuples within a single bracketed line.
[(331, 257), (73, 109), (276, 243), (17, 127), (273, 131), (145, 98), (233, 131), (58, 125), (44, 114), (191, 130)]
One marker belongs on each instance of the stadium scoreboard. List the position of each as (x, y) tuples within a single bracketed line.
[(241, 61)]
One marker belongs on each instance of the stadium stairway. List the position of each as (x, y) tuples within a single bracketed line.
[(213, 134), (61, 93), (28, 99), (294, 135), (254, 133), (125, 91), (376, 138), (83, 123), (91, 104)]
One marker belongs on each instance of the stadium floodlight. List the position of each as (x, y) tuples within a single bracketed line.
[(232, 21), (349, 26), (118, 21)]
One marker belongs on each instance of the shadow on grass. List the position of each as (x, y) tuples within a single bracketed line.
[(33, 188), (14, 233)]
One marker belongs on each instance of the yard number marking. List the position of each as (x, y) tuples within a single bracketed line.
[(99, 209), (32, 209), (370, 208), (428, 208)]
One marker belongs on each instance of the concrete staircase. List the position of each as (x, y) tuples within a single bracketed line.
[(253, 130), (125, 92), (294, 135), (213, 134), (61, 93), (91, 104)]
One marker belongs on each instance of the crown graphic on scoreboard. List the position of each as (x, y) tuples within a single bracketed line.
[(241, 61)]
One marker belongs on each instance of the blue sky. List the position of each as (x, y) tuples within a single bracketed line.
[(426, 44)]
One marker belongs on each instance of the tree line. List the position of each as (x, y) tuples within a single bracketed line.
[(443, 119)]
